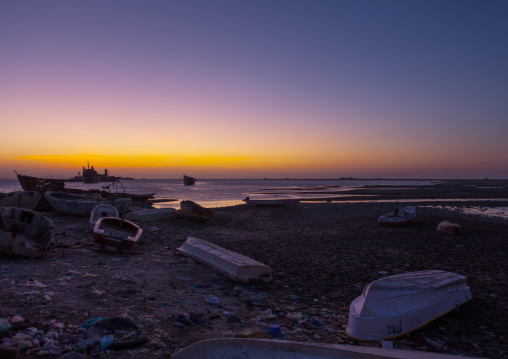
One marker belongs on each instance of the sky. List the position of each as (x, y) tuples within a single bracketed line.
[(254, 89)]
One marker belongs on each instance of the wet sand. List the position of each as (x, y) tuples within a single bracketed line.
[(322, 255)]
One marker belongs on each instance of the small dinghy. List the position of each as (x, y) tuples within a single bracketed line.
[(24, 232), (234, 348), (102, 210), (233, 265), (152, 215), (399, 217), (273, 202), (448, 227), (396, 305), (82, 205), (192, 210), (116, 234)]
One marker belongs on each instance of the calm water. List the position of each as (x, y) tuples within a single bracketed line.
[(220, 193)]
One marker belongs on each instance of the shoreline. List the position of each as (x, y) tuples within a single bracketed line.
[(321, 254)]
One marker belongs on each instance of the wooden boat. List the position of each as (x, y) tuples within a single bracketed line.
[(233, 348), (116, 234), (24, 232), (21, 199), (152, 215), (275, 202), (82, 205), (396, 305), (188, 180), (102, 210), (29, 183), (193, 210), (399, 217), (233, 265), (448, 227)]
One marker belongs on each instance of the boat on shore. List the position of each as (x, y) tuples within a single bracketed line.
[(116, 234), (448, 227), (102, 210), (24, 232), (192, 210), (396, 305), (82, 205), (233, 265), (21, 199), (188, 180), (398, 217), (152, 215), (275, 202), (233, 348)]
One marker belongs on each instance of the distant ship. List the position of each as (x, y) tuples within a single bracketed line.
[(90, 175), (188, 180)]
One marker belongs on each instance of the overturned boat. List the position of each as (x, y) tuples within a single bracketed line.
[(396, 305), (21, 199), (448, 227), (233, 348), (102, 210), (190, 209), (398, 217), (233, 265), (116, 234), (24, 232), (82, 205)]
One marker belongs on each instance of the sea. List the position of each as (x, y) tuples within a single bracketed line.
[(228, 192)]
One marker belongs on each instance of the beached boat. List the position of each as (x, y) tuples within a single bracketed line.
[(24, 232), (188, 180), (448, 227), (102, 210), (273, 202), (399, 217), (21, 199), (82, 205), (193, 210), (116, 234), (29, 183), (233, 348), (233, 265), (396, 305), (152, 215)]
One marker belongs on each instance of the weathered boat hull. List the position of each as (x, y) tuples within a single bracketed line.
[(398, 217), (102, 210), (193, 210), (396, 305), (282, 202), (82, 205), (21, 199), (116, 234), (233, 348), (24, 232), (152, 215), (448, 227), (233, 265)]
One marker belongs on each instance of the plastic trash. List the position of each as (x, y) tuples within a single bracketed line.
[(274, 329), (106, 341)]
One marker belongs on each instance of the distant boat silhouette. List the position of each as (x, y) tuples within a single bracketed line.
[(188, 180)]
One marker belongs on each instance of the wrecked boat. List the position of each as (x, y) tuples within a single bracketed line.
[(82, 204), (193, 210), (24, 232), (233, 348), (396, 305), (233, 265), (21, 199), (398, 217), (116, 234)]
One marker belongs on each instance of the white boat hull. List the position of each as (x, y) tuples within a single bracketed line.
[(116, 234), (152, 215), (398, 217), (233, 265), (235, 348), (399, 304), (102, 210)]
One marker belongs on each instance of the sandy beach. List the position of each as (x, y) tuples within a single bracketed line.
[(322, 255)]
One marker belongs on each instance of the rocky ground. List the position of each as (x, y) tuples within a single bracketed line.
[(322, 255)]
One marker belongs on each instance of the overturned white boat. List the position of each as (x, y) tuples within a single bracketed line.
[(152, 215), (393, 306), (398, 217), (102, 210), (234, 348), (233, 265), (448, 227)]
